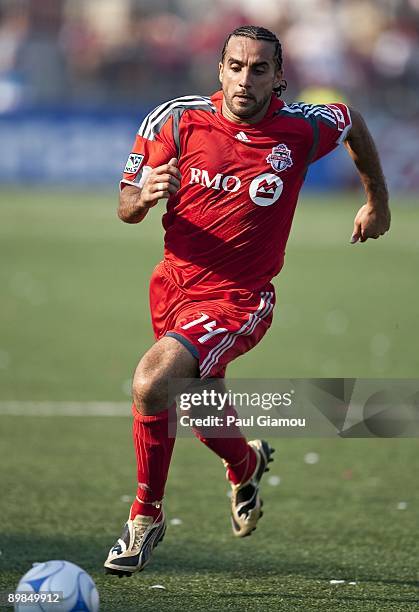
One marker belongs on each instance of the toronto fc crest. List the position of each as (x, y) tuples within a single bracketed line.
[(280, 158)]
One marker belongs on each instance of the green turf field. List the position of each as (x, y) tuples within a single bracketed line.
[(74, 297), (73, 294)]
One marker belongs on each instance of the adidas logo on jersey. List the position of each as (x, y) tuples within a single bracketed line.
[(242, 136)]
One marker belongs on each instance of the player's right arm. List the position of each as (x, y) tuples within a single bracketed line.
[(151, 171), (136, 201)]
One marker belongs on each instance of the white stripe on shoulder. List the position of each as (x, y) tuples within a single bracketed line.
[(292, 109), (163, 110), (323, 112), (309, 110)]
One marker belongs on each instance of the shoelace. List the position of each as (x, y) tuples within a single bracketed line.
[(139, 533)]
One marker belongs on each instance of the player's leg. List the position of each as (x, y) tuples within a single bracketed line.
[(235, 328), (146, 526), (228, 442), (152, 408), (245, 464)]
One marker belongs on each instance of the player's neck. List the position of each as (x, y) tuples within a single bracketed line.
[(228, 114)]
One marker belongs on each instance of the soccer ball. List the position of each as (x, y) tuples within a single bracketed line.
[(38, 589)]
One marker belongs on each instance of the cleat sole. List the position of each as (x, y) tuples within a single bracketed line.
[(119, 573)]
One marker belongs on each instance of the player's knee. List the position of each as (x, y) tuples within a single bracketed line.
[(149, 393), (167, 359)]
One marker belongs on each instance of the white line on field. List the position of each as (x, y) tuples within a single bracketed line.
[(111, 409)]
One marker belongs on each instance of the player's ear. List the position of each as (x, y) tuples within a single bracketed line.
[(220, 71), (279, 75)]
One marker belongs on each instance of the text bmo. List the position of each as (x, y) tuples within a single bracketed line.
[(219, 181)]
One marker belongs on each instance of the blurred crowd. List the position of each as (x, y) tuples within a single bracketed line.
[(119, 52)]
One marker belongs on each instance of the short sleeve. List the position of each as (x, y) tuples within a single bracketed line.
[(332, 123), (154, 145)]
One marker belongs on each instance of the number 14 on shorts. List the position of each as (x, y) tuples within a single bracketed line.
[(210, 326)]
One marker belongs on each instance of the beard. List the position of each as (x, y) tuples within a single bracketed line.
[(246, 111)]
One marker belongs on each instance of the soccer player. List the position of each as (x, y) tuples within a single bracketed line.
[(231, 167)]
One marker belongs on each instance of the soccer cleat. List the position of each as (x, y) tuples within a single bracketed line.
[(246, 505), (133, 549)]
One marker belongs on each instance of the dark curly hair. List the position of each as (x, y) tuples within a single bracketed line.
[(259, 33)]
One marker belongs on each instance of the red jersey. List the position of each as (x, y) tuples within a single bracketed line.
[(228, 225)]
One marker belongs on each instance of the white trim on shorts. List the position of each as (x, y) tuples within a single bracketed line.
[(264, 309)]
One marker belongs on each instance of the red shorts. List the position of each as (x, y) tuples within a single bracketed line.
[(215, 331)]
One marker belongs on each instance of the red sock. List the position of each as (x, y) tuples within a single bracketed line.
[(153, 448), (235, 451)]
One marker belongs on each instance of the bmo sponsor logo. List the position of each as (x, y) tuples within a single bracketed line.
[(266, 189), (219, 181)]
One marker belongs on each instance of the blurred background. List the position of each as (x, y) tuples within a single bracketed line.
[(77, 76)]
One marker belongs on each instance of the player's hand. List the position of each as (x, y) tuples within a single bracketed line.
[(371, 222), (162, 182)]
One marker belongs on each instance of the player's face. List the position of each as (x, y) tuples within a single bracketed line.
[(248, 75)]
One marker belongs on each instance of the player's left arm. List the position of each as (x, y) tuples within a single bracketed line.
[(373, 218)]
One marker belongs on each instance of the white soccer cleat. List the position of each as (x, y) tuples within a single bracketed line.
[(133, 549), (246, 505)]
